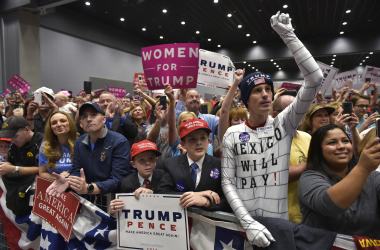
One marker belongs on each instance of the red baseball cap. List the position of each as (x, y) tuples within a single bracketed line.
[(191, 125), (142, 146)]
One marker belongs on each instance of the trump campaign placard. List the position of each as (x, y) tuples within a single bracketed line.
[(329, 73), (60, 212), (154, 221), (175, 64), (215, 70)]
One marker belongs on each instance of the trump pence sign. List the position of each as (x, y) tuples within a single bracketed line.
[(175, 64)]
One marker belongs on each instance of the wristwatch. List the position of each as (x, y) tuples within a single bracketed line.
[(90, 188), (17, 170)]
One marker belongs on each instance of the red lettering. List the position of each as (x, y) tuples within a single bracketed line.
[(173, 227), (204, 69), (151, 225), (162, 226), (140, 224), (129, 223)]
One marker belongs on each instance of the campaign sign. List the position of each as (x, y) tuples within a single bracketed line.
[(291, 86), (215, 70), (175, 64), (328, 76), (139, 81), (5, 92), (154, 221), (346, 79), (118, 92), (60, 212), (371, 74), (18, 83)]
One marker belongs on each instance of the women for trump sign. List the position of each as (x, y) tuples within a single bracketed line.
[(175, 64)]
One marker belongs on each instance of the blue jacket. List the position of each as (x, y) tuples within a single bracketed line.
[(106, 164)]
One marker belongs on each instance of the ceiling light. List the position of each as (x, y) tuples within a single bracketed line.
[(331, 65), (253, 67), (254, 42), (344, 23), (87, 3), (164, 11), (122, 19), (271, 60), (143, 29), (363, 61), (367, 57), (244, 62), (371, 53), (216, 1), (334, 55), (333, 59), (360, 64), (285, 6), (240, 26), (249, 65), (219, 45), (279, 69), (197, 32), (348, 11), (274, 63), (229, 15), (247, 35), (161, 37), (257, 69), (341, 33), (183, 22), (209, 39)]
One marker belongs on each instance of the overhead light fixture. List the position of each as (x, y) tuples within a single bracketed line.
[(348, 11), (360, 64), (333, 59), (229, 15), (274, 63), (254, 42), (183, 22), (240, 26), (249, 65), (244, 62), (257, 69), (216, 1), (334, 55), (363, 61), (331, 65), (143, 29), (164, 11), (279, 69), (247, 35), (341, 33), (285, 6), (367, 57), (197, 32), (209, 39), (87, 3), (219, 45), (253, 67), (122, 19), (371, 53), (271, 60), (161, 37), (344, 23)]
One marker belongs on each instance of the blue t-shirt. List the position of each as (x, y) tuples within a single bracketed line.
[(63, 164)]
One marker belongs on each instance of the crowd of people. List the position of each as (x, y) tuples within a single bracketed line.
[(257, 152)]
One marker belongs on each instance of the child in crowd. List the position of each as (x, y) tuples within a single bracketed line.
[(195, 174), (144, 158)]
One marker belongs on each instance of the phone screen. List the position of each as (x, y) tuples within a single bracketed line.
[(347, 107), (38, 98), (87, 87), (163, 102)]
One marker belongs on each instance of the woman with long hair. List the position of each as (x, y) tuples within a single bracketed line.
[(57, 148), (139, 117), (338, 193)]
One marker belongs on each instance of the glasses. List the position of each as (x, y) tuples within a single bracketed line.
[(362, 106)]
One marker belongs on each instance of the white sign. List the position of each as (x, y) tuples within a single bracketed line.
[(328, 76), (347, 78), (215, 70), (154, 221), (371, 73)]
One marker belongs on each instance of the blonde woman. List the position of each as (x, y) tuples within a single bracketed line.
[(56, 151)]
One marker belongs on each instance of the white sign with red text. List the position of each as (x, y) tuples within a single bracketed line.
[(215, 70), (154, 221)]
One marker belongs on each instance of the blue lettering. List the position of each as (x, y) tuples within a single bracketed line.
[(164, 216), (126, 211), (137, 214), (176, 216)]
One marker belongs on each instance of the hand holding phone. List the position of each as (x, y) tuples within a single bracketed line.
[(347, 107), (163, 102), (378, 127)]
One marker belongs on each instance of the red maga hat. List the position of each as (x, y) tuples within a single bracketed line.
[(189, 126), (142, 146)]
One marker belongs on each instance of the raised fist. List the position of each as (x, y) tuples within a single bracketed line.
[(281, 23)]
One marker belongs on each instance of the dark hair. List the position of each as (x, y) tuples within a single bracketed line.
[(315, 160)]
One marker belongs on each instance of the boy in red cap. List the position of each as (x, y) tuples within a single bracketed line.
[(144, 158), (195, 174)]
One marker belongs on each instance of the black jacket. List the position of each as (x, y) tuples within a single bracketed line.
[(131, 182)]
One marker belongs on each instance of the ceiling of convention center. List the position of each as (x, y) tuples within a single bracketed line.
[(236, 24)]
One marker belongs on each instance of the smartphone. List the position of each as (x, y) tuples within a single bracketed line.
[(204, 109), (378, 127), (87, 87), (368, 80), (38, 98), (163, 102), (347, 107)]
